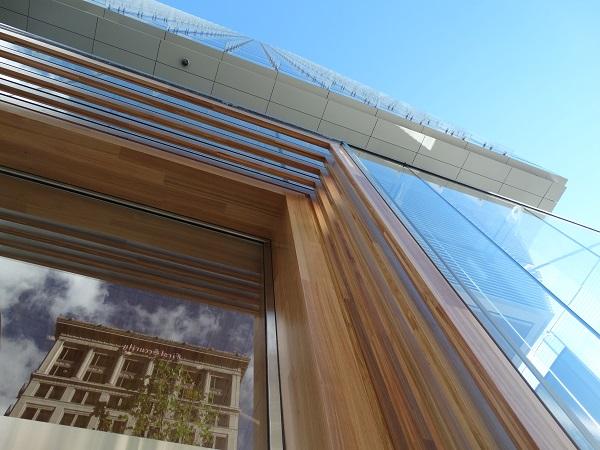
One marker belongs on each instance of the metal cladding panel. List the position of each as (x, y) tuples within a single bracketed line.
[(245, 72)]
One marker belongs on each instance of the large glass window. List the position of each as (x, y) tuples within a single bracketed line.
[(532, 280), (145, 359), (79, 351)]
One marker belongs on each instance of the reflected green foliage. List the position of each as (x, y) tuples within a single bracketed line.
[(169, 405), (101, 412)]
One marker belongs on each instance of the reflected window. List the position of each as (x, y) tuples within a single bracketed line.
[(220, 442), (50, 391), (68, 362), (39, 414), (131, 374), (100, 367), (117, 402), (42, 390), (222, 420), (75, 419), (220, 389), (192, 385)]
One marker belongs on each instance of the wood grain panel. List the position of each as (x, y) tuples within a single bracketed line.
[(328, 399), (123, 245), (47, 147)]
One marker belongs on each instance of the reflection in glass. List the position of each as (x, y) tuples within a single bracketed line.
[(84, 353), (531, 280)]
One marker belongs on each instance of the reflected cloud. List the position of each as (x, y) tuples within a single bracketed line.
[(177, 324), (17, 278), (25, 357)]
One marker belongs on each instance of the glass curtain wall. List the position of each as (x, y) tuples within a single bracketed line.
[(531, 279)]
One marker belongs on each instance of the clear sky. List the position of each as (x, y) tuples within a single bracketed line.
[(523, 74)]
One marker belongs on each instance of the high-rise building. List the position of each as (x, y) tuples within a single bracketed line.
[(392, 281), (92, 373)]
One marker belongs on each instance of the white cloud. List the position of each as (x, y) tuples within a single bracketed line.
[(240, 335), (79, 295), (83, 296), (19, 358), (177, 324), (17, 277)]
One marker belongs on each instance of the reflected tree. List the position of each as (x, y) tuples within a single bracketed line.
[(169, 405)]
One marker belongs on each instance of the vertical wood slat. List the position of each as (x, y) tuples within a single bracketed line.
[(323, 373), (426, 353)]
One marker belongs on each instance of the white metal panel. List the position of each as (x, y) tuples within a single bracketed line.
[(487, 167), (397, 135), (13, 19), (391, 151), (183, 78), (242, 79), (344, 134), (192, 45), (349, 117), (478, 181), (436, 166), (442, 151), (296, 98), (199, 64), (239, 98), (527, 181), (83, 6), (135, 24), (18, 6), (60, 35), (126, 38), (547, 205), (63, 16), (555, 191), (520, 195), (123, 57), (293, 117)]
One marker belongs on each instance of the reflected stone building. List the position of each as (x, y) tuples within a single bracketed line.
[(93, 368)]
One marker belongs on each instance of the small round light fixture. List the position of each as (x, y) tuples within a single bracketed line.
[(185, 62)]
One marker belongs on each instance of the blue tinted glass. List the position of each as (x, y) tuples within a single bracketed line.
[(532, 281)]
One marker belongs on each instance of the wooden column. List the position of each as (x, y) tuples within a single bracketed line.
[(328, 399)]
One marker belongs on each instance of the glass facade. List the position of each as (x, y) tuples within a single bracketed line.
[(531, 279)]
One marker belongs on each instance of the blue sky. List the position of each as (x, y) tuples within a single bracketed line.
[(523, 74)]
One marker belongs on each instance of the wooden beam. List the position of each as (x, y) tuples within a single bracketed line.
[(34, 143)]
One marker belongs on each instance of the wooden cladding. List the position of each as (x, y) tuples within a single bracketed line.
[(122, 245), (440, 380), (167, 121), (376, 349)]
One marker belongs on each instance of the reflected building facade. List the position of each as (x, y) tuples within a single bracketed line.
[(92, 373)]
